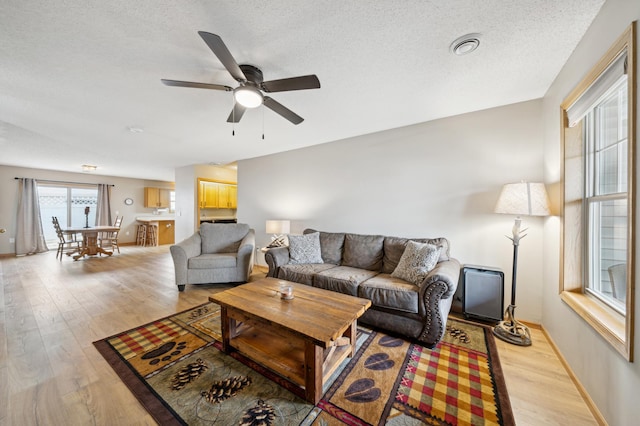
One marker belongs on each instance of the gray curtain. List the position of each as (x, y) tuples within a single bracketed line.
[(103, 209), (29, 234)]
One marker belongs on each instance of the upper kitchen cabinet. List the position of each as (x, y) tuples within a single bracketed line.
[(228, 196), (215, 195), (208, 195), (157, 197)]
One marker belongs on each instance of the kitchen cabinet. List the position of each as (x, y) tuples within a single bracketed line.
[(213, 195), (209, 195), (157, 197), (227, 196), (166, 232), (233, 196)]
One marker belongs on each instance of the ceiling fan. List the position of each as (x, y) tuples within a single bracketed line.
[(249, 93)]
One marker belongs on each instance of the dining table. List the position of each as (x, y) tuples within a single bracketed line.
[(90, 245)]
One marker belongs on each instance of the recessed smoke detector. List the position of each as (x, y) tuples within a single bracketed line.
[(465, 44)]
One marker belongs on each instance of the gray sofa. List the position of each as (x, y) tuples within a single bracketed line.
[(217, 253), (361, 265)]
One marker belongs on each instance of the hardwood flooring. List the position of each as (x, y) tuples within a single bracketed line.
[(51, 312)]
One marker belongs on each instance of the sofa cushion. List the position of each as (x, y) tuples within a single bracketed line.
[(302, 274), (213, 261), (394, 248), (385, 291), (416, 262), (363, 251), (305, 248), (331, 245), (222, 237), (342, 279)]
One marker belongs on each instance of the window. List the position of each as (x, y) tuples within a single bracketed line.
[(606, 146), (67, 203), (597, 268)]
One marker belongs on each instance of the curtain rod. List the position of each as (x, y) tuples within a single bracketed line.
[(62, 181)]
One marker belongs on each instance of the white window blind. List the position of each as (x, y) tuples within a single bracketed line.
[(597, 90)]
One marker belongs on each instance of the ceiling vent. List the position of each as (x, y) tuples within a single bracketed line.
[(465, 44)]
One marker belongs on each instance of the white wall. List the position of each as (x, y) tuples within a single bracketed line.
[(186, 198), (612, 382), (123, 188), (440, 178)]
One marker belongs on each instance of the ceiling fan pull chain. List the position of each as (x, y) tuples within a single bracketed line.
[(263, 121), (233, 116)]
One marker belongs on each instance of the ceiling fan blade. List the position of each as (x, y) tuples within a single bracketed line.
[(236, 113), (282, 110), (218, 47), (179, 83), (293, 83)]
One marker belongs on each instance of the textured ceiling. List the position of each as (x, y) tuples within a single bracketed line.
[(75, 75)]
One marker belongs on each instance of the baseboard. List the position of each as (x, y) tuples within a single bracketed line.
[(7, 255), (533, 325), (583, 392)]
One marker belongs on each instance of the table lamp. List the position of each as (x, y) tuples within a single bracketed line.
[(278, 228), (520, 199)]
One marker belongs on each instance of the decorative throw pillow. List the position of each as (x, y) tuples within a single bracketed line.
[(416, 262), (305, 248)]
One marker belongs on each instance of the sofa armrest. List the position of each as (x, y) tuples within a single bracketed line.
[(246, 252), (276, 257), (436, 295), (447, 272), (181, 253)]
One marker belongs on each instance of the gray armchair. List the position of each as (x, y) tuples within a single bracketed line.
[(217, 253)]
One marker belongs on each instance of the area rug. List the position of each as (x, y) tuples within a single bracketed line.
[(175, 367)]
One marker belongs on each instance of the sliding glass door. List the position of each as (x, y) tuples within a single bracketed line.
[(68, 204)]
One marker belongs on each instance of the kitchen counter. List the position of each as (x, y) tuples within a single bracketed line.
[(155, 217), (166, 232), (203, 218)]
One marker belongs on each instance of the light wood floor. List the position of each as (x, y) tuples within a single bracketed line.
[(51, 312)]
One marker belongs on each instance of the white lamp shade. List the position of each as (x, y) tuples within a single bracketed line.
[(278, 227), (523, 199)]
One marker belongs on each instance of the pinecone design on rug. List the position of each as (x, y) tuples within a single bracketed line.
[(262, 414), (188, 374), (226, 389), (458, 334), (197, 313)]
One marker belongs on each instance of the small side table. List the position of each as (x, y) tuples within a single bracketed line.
[(262, 250)]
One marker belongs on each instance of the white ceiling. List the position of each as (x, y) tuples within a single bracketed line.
[(75, 75)]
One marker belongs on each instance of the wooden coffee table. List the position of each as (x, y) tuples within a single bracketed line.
[(304, 339)]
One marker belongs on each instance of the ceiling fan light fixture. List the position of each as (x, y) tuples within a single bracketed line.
[(465, 44), (248, 96)]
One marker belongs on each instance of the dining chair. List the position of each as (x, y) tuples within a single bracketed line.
[(618, 278), (110, 239), (67, 241)]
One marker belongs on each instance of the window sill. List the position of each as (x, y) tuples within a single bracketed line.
[(608, 323)]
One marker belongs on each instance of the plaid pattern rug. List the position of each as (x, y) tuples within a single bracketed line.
[(176, 370)]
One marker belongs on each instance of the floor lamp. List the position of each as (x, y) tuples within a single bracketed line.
[(520, 199)]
